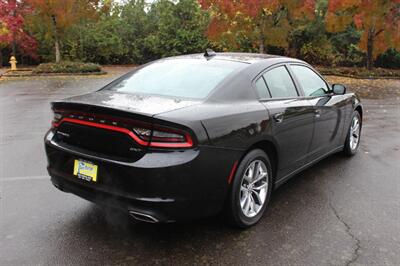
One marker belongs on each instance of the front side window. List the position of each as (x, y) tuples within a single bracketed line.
[(311, 83), (279, 83), (187, 78)]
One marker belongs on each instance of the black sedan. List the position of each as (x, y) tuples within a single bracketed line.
[(196, 135)]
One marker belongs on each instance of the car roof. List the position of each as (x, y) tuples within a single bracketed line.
[(231, 88), (249, 58), (241, 78)]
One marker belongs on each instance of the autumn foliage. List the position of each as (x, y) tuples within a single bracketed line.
[(57, 16), (326, 32), (378, 20), (12, 21), (262, 22)]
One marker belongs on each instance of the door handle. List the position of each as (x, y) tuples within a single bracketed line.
[(317, 113), (278, 117)]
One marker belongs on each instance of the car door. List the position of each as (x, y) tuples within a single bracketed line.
[(292, 117), (329, 110)]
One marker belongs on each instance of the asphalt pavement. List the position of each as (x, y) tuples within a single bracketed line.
[(342, 211)]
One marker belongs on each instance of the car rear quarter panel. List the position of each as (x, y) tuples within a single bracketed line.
[(234, 125)]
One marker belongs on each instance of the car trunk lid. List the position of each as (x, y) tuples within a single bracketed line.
[(147, 105), (110, 125)]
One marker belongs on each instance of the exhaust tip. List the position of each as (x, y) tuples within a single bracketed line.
[(143, 217)]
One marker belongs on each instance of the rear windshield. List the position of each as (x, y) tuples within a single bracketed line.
[(186, 78)]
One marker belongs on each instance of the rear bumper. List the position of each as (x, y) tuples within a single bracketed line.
[(169, 186), (162, 210)]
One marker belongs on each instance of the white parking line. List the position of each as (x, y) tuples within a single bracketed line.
[(24, 178)]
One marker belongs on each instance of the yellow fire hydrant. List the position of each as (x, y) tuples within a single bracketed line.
[(13, 63)]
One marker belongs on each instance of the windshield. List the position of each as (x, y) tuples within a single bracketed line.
[(186, 78)]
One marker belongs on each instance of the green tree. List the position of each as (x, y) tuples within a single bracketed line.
[(128, 32), (100, 40), (135, 27), (311, 33), (177, 28)]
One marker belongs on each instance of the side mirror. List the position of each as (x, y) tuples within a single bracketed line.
[(338, 89)]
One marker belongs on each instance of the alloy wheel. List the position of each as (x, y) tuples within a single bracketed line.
[(354, 133), (254, 188)]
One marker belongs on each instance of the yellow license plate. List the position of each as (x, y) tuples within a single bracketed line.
[(85, 170)]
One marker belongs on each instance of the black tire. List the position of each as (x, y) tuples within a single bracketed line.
[(348, 150), (233, 209)]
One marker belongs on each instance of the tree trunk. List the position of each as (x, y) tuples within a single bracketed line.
[(261, 36), (56, 39), (81, 56), (370, 49), (57, 49), (1, 58), (14, 47), (262, 48)]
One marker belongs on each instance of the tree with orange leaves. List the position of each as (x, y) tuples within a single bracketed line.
[(56, 16), (379, 21), (12, 28), (260, 22)]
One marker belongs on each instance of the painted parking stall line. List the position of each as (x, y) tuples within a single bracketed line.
[(24, 178)]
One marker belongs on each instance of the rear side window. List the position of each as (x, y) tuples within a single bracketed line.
[(187, 78), (311, 83), (279, 83), (262, 89)]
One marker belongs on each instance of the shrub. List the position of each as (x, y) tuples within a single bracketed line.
[(353, 57), (389, 59), (360, 72), (319, 52), (67, 67)]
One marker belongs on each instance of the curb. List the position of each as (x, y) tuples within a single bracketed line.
[(358, 77), (15, 75)]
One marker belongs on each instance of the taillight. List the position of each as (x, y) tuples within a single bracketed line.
[(56, 119), (142, 133), (165, 137), (160, 136)]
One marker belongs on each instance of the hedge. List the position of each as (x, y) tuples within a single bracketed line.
[(67, 67)]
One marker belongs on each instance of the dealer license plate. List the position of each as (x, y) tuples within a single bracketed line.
[(85, 170)]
